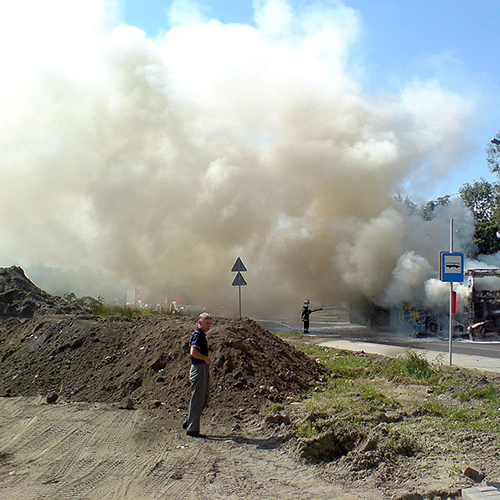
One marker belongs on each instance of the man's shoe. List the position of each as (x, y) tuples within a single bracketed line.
[(195, 434), (185, 424)]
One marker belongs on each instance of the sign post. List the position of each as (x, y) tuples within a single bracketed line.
[(451, 269), (239, 280)]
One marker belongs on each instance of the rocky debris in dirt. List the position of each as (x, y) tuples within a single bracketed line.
[(127, 404), (52, 398), (473, 473), (20, 298), (278, 419), (91, 358)]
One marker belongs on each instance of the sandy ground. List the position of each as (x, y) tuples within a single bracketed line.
[(96, 451)]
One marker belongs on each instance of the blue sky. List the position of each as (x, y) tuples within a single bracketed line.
[(455, 42)]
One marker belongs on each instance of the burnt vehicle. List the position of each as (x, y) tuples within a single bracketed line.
[(410, 318), (483, 304), (478, 318)]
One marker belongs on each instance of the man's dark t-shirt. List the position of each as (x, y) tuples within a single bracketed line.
[(199, 340)]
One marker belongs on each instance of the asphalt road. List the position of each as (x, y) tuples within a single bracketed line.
[(478, 354)]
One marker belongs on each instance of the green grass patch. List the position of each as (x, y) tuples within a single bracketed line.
[(399, 443), (288, 335), (463, 417), (354, 397), (344, 363), (488, 392), (433, 408), (360, 388), (306, 429), (477, 420), (100, 308), (411, 366), (368, 392), (443, 384)]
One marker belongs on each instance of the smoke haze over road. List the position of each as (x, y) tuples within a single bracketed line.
[(127, 160)]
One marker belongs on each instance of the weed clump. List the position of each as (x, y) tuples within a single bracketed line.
[(410, 366)]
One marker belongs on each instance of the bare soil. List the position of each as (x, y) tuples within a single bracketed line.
[(118, 391)]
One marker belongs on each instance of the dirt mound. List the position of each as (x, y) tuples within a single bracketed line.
[(93, 358), (20, 298)]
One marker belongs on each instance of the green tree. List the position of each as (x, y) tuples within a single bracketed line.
[(482, 198), (428, 210), (493, 155), (95, 305), (485, 238), (411, 206)]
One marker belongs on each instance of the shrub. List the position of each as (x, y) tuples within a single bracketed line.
[(410, 365)]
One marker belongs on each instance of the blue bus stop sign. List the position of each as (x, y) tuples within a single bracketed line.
[(452, 267)]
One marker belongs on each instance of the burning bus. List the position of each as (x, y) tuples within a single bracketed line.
[(483, 307), (409, 318), (478, 316)]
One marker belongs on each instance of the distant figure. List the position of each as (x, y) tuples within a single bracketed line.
[(306, 312), (199, 375)]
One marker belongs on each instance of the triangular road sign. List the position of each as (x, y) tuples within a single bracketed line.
[(239, 280), (238, 267)]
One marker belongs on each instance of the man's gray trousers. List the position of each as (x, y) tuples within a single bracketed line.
[(199, 377)]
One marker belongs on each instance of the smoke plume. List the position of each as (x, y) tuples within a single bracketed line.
[(156, 162)]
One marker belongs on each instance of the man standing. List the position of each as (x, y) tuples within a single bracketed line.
[(199, 375)]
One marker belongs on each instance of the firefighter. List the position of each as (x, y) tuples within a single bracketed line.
[(306, 312)]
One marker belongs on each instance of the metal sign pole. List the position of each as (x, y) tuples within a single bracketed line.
[(239, 295), (239, 280), (451, 270), (450, 342)]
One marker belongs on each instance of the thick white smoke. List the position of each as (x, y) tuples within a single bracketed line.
[(157, 162)]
